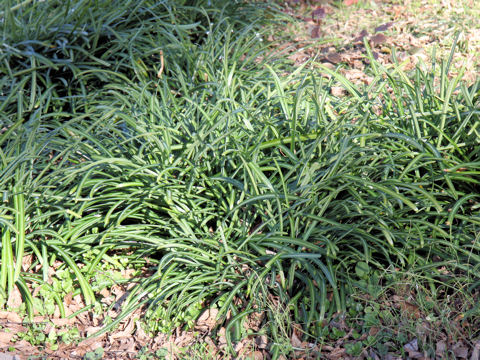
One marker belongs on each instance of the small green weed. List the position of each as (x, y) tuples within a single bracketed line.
[(97, 354), (37, 336)]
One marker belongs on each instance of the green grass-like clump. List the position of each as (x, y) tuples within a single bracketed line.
[(167, 130)]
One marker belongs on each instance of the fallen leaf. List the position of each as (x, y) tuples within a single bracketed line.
[(334, 58), (15, 298), (373, 331), (127, 345), (254, 355), (5, 337), (221, 338), (412, 349), (68, 299), (207, 320), (316, 32), (357, 76), (440, 349), (360, 36), (349, 2), (92, 330), (126, 332), (10, 316), (40, 319), (378, 39), (261, 341), (337, 353), (298, 57), (411, 309), (140, 336), (411, 346), (357, 64), (295, 341), (373, 355), (328, 66), (476, 351), (319, 13), (105, 292), (87, 345), (211, 345), (407, 307), (384, 27), (338, 91), (460, 350), (27, 262)]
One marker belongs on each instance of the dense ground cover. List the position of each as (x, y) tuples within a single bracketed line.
[(158, 158)]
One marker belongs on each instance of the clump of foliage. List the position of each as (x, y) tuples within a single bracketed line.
[(170, 131)]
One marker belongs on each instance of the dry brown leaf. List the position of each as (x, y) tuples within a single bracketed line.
[(6, 337), (373, 331), (127, 345), (411, 346), (261, 341), (87, 345), (357, 76), (440, 348), (359, 65), (24, 347), (105, 292), (10, 316), (63, 321), (476, 351), (185, 338), (319, 13), (338, 91), (126, 332), (407, 307), (239, 346), (378, 39), (27, 262), (78, 301), (208, 320), (350, 2), (40, 319), (295, 341), (127, 273), (334, 58), (68, 299), (360, 36), (411, 309), (412, 349), (460, 350), (384, 27), (337, 353), (15, 298), (254, 355), (140, 335), (298, 57), (90, 330)]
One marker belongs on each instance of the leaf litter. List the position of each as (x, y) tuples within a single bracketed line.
[(414, 28)]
